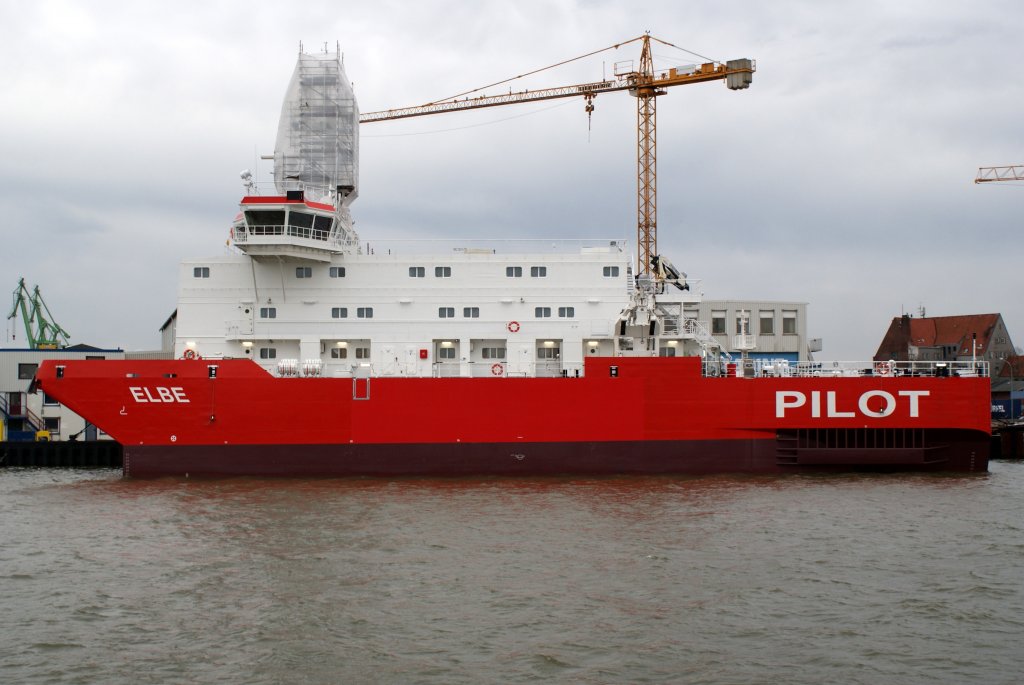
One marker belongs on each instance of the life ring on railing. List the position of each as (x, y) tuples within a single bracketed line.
[(497, 369), (190, 354), (883, 369), (513, 326)]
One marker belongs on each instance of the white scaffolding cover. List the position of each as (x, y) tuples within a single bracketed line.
[(317, 144)]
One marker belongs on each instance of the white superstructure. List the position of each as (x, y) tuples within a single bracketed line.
[(303, 297)]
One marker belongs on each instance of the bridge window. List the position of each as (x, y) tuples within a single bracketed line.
[(538, 272), (339, 312), (339, 353), (417, 272), (268, 312), (442, 272), (566, 312), (364, 312), (446, 353), (201, 272), (362, 353), (27, 371), (548, 352), (322, 227), (494, 353), (514, 271), (268, 353), (265, 222), (303, 272), (337, 272), (767, 323), (300, 219), (446, 312), (542, 312), (471, 312), (611, 271)]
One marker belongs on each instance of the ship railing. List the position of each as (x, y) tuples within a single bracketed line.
[(507, 246), (244, 233), (783, 368)]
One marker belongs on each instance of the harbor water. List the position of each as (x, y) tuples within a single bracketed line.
[(863, 578)]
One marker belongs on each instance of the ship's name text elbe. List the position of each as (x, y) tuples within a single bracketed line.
[(158, 394)]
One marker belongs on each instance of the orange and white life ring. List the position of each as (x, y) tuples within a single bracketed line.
[(497, 369), (189, 354), (513, 326)]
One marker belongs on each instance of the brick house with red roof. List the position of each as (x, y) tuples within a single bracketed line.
[(958, 338)]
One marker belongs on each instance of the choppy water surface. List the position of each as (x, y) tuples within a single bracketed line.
[(802, 579)]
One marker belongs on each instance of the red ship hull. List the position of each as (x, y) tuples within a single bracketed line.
[(624, 416)]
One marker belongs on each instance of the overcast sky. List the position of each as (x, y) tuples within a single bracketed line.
[(841, 178)]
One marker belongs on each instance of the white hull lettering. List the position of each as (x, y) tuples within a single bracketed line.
[(158, 394), (873, 404)]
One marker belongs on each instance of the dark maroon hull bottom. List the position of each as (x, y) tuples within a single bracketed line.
[(946, 451)]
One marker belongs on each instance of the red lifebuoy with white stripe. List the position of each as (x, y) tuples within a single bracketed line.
[(513, 326), (189, 354), (497, 369)]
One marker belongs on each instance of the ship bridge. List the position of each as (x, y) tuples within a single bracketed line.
[(316, 170), (291, 225)]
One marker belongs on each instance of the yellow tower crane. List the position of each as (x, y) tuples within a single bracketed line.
[(643, 83)]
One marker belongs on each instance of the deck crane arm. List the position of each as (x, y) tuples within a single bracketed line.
[(1000, 173), (642, 83)]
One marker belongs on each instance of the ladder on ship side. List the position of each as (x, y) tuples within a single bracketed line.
[(787, 443)]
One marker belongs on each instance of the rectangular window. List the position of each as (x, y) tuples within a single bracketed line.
[(268, 353), (471, 312), (789, 321), (566, 312), (417, 272), (446, 353), (268, 312), (767, 323), (442, 272), (548, 352), (718, 322), (362, 353), (667, 352), (337, 272), (611, 271), (494, 353), (542, 312), (446, 312), (303, 272), (27, 371), (364, 312), (339, 353), (52, 423), (201, 272), (339, 312), (538, 272), (49, 401), (514, 271)]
